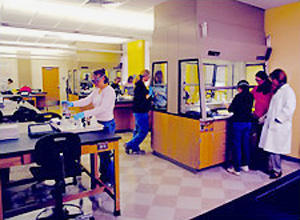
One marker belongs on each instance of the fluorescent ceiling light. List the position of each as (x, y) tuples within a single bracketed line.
[(34, 51), (102, 16), (37, 45), (48, 48), (38, 57), (62, 35)]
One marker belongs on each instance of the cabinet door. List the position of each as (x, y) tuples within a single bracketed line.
[(219, 142), (206, 149), (212, 146)]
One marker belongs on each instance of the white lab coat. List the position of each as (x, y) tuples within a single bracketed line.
[(277, 137)]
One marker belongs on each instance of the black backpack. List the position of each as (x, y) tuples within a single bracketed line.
[(24, 114)]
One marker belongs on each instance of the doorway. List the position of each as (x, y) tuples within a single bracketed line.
[(51, 85)]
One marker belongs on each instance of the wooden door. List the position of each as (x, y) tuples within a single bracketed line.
[(51, 84)]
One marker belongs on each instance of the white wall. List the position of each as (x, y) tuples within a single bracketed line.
[(9, 69)]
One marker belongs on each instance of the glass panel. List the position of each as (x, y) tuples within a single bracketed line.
[(221, 78), (208, 71), (85, 83), (69, 83), (159, 85), (75, 82), (251, 70), (189, 88)]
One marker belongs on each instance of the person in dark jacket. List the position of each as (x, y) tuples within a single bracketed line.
[(241, 107), (141, 106), (116, 86)]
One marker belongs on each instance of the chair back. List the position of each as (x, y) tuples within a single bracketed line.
[(59, 155), (23, 114)]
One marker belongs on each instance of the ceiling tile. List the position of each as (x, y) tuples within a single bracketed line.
[(27, 39), (67, 2), (266, 4), (45, 40), (63, 42), (92, 28), (8, 37), (69, 24), (140, 6), (42, 19), (13, 16)]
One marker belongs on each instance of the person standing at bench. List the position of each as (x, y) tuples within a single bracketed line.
[(103, 99)]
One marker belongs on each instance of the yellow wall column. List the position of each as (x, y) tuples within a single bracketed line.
[(136, 57), (283, 25)]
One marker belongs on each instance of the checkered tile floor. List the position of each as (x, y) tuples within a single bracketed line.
[(152, 188)]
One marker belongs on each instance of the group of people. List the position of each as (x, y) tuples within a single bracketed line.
[(275, 103), (127, 89), (271, 121)]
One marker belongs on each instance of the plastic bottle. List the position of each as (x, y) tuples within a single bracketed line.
[(66, 112)]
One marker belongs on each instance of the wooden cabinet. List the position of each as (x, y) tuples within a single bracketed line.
[(186, 142)]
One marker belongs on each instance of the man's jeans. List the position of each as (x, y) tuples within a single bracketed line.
[(140, 131)]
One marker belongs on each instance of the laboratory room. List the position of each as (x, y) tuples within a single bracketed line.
[(153, 109)]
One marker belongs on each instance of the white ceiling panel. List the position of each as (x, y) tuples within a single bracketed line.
[(61, 41), (67, 2), (132, 19), (27, 39), (8, 37), (45, 40), (44, 20), (16, 16), (70, 24), (139, 5), (92, 28)]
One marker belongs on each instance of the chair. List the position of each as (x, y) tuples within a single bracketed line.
[(59, 157), (17, 99), (23, 114), (43, 117)]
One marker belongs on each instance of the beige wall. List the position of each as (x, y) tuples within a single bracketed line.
[(283, 25), (9, 69), (98, 57), (29, 71), (175, 37), (24, 72)]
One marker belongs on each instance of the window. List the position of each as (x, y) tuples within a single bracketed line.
[(159, 85), (189, 88), (251, 70)]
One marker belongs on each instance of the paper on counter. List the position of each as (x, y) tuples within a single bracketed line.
[(9, 131)]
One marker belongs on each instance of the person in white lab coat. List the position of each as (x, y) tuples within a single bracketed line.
[(276, 134)]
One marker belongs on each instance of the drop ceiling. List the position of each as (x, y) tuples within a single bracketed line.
[(267, 4), (58, 24)]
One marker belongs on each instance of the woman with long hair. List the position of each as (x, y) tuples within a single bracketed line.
[(262, 96)]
